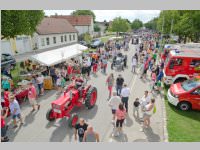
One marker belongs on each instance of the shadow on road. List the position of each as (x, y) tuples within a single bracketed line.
[(12, 133), (58, 135), (140, 140), (121, 138), (129, 121), (151, 136)]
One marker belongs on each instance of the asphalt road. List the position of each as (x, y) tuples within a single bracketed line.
[(38, 129)]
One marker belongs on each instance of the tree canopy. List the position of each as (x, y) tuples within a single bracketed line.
[(19, 22), (84, 12), (184, 23), (136, 24), (119, 25), (96, 28)]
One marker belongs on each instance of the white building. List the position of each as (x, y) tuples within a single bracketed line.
[(19, 45), (83, 23), (52, 32)]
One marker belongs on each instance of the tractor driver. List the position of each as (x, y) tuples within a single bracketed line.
[(78, 82)]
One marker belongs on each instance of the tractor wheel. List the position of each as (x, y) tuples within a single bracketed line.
[(49, 115), (91, 97), (73, 120)]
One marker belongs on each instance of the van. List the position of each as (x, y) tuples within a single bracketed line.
[(185, 95), (181, 65)]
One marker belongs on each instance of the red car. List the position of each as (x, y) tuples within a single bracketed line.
[(185, 95)]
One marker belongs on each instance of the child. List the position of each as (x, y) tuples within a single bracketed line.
[(136, 104), (58, 83), (153, 80)]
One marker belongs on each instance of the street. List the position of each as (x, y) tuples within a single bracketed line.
[(38, 129)]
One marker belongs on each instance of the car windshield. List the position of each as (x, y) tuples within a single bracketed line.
[(190, 84)]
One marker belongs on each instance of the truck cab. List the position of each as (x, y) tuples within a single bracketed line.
[(181, 65), (185, 95)]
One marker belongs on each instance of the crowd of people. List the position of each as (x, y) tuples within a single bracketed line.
[(145, 57)]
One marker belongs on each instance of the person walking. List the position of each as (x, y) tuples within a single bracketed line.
[(90, 135), (119, 84), (32, 94), (105, 63), (144, 101), (148, 112), (134, 63), (120, 115), (125, 93), (40, 82), (136, 105), (80, 128), (110, 83), (15, 110), (4, 127), (114, 104)]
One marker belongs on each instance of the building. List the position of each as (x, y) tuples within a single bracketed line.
[(102, 26), (52, 32), (19, 45), (83, 23)]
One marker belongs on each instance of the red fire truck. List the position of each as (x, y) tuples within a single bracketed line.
[(181, 65)]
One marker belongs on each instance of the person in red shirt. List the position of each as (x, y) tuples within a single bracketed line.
[(4, 127), (32, 94), (69, 71), (6, 100), (95, 66)]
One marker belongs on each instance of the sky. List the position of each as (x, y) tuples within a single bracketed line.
[(101, 15)]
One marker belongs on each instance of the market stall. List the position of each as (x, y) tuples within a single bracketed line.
[(58, 56)]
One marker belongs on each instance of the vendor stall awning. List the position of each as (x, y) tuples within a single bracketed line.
[(59, 55)]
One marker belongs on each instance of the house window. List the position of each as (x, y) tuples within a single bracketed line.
[(61, 38), (54, 40), (74, 37), (65, 38), (47, 40), (42, 42), (70, 37)]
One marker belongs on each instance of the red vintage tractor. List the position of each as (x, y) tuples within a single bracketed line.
[(72, 97)]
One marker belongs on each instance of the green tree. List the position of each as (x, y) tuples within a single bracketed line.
[(19, 22), (96, 28), (136, 24), (152, 24), (84, 12), (119, 25)]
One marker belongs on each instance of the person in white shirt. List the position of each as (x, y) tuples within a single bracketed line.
[(125, 93), (40, 81), (145, 100), (114, 104), (15, 110)]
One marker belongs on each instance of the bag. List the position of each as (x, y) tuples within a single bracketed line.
[(154, 109)]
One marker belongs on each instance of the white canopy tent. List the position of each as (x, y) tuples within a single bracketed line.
[(59, 55)]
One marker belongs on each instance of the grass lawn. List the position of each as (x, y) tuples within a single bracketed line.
[(182, 126)]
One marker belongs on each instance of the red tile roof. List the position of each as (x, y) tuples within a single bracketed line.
[(83, 20), (54, 26)]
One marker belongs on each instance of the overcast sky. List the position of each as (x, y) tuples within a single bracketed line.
[(101, 15)]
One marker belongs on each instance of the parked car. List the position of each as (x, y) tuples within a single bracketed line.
[(83, 43), (185, 95), (7, 60), (96, 43)]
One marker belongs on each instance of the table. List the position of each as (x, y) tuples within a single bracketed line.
[(21, 96)]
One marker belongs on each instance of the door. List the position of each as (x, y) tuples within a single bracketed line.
[(195, 98), (176, 66)]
